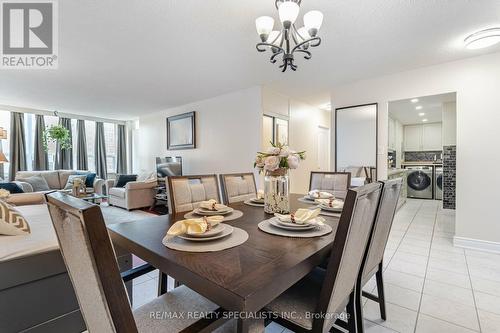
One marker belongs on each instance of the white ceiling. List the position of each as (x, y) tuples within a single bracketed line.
[(126, 58), (405, 110)]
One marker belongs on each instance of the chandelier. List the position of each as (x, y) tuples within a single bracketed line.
[(289, 40)]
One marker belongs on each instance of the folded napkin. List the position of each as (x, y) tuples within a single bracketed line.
[(302, 216), (194, 226), (212, 205), (332, 202), (320, 194)]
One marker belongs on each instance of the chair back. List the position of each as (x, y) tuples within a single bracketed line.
[(382, 227), (90, 260), (335, 182), (237, 187), (187, 192), (349, 247)]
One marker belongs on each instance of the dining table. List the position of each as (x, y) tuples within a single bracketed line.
[(241, 280)]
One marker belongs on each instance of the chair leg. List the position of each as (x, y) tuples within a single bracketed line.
[(351, 312), (162, 284), (358, 307), (380, 290)]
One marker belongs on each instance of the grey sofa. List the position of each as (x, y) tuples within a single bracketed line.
[(56, 179)]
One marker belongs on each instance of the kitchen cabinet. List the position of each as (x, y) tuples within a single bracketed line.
[(423, 137), (392, 134)]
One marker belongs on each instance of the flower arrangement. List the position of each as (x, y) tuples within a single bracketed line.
[(278, 159), (58, 134)]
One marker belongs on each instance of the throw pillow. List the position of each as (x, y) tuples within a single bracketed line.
[(89, 182), (122, 180), (71, 178), (147, 177), (12, 223), (13, 188), (37, 182)]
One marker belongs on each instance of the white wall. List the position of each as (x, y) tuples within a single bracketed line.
[(449, 124), (228, 130), (476, 81)]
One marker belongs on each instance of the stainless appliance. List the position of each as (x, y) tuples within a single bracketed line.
[(438, 183), (168, 166), (419, 181)]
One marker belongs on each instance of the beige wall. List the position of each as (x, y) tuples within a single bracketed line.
[(228, 134), (476, 81)]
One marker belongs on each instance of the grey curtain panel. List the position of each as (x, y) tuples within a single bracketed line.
[(81, 146), (64, 157), (17, 144), (40, 157), (101, 167), (121, 151)]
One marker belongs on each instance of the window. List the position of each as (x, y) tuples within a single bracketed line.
[(4, 144), (110, 143), (90, 136), (52, 146)]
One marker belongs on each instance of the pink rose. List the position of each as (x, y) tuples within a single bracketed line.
[(272, 163), (293, 162)]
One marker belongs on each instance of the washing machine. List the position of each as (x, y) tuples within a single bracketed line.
[(438, 183), (420, 181)]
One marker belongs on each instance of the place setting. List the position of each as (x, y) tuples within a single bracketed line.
[(204, 234), (258, 201), (330, 207), (304, 223), (312, 196), (212, 208)]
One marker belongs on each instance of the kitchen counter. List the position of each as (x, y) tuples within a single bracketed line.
[(392, 172), (399, 173)]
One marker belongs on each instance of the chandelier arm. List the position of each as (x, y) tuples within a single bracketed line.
[(314, 39), (273, 57), (260, 47), (307, 55)]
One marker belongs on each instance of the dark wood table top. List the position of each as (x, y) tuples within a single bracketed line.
[(243, 278)]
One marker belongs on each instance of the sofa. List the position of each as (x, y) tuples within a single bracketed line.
[(134, 195), (56, 179)]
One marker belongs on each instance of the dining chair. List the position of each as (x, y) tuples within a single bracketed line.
[(237, 187), (322, 295), (373, 262), (89, 258), (335, 182), (187, 192)]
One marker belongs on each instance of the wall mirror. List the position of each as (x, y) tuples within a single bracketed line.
[(356, 140)]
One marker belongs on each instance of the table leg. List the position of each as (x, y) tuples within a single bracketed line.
[(162, 284), (251, 325)]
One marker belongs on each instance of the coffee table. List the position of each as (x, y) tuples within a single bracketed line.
[(90, 197)]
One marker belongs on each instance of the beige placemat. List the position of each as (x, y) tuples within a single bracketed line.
[(270, 229), (250, 203), (235, 214), (327, 213), (238, 237)]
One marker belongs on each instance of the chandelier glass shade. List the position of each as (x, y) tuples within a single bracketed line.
[(289, 41)]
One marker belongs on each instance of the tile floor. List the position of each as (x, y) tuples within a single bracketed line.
[(430, 285)]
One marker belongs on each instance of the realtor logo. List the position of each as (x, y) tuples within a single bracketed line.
[(29, 34)]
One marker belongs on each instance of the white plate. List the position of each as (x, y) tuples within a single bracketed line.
[(228, 230), (214, 231), (278, 224), (257, 201), (203, 212), (331, 209), (308, 198), (311, 197)]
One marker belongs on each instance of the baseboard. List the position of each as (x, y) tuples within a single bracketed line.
[(476, 244)]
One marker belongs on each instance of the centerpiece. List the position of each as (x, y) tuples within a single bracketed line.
[(275, 163)]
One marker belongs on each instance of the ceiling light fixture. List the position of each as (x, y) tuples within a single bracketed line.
[(424, 120), (421, 114), (289, 40), (482, 39), (415, 100), (418, 107)]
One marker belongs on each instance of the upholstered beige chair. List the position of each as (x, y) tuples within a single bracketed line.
[(186, 192), (375, 252), (237, 187), (335, 182), (89, 257), (323, 293)]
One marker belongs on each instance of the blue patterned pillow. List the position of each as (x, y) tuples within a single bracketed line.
[(13, 188), (89, 181)]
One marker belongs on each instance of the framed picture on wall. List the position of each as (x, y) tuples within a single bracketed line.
[(181, 131)]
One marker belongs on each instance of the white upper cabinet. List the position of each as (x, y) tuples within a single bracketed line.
[(413, 138), (432, 136), (392, 134), (423, 137)]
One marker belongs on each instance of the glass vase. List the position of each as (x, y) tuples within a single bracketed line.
[(277, 192)]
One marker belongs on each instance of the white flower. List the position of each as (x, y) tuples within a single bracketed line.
[(273, 150), (293, 162), (272, 163), (285, 151), (259, 162)]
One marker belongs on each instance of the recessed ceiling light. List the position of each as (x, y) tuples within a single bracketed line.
[(421, 114), (424, 120), (415, 100), (482, 39), (418, 107)]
